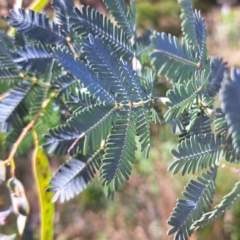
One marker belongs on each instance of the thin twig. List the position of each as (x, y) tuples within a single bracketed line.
[(24, 132), (34, 80), (76, 55), (4, 163), (4, 95)]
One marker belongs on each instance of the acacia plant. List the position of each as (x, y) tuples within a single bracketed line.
[(90, 80)]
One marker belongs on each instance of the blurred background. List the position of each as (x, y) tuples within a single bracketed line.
[(143, 205)]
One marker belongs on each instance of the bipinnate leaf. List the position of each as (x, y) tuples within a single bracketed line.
[(7, 41), (170, 59), (74, 176), (230, 97), (188, 21), (195, 154), (13, 101), (227, 201), (218, 68), (35, 58), (105, 63), (120, 12), (199, 196), (181, 98), (64, 10), (81, 131), (120, 143), (36, 26), (84, 75), (90, 21), (194, 30)]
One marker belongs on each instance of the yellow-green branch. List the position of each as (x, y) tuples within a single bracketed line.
[(76, 55), (34, 80), (24, 132), (4, 95)]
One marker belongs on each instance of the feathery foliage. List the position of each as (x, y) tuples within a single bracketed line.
[(181, 97), (83, 64), (170, 59), (123, 15), (73, 177), (199, 196), (227, 201), (89, 21), (197, 79), (84, 87), (230, 97), (36, 26), (216, 76), (195, 154)]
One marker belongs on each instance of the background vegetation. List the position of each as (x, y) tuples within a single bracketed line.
[(142, 206)]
